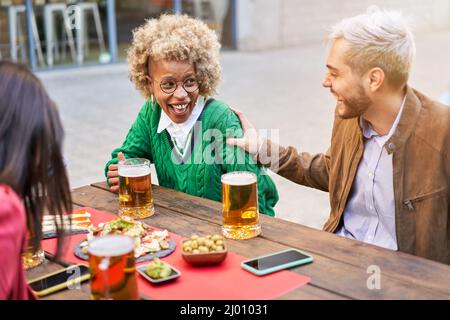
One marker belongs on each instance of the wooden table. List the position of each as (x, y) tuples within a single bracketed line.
[(340, 270)]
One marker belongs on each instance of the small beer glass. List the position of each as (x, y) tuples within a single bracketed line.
[(32, 258)]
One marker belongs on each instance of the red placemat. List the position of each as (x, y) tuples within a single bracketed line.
[(227, 281)]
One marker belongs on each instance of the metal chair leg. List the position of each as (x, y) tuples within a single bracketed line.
[(20, 37), (69, 35), (98, 27), (12, 21), (79, 38), (85, 30), (36, 39), (49, 35)]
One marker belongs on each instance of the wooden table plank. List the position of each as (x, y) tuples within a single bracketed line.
[(336, 276), (310, 292), (414, 270)]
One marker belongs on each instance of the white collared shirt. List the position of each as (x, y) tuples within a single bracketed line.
[(180, 131), (369, 214)]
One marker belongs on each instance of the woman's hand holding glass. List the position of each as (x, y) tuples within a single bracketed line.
[(113, 174)]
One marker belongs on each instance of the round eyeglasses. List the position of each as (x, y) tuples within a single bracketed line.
[(169, 86)]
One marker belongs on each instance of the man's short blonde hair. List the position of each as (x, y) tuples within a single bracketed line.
[(179, 38), (378, 39)]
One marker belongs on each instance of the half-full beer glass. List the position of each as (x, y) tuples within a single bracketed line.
[(32, 258), (135, 188), (240, 205), (112, 268)]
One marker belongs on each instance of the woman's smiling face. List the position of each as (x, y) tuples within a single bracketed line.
[(174, 86)]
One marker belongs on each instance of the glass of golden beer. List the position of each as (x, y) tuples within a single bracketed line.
[(240, 205), (32, 258), (112, 268), (135, 189)]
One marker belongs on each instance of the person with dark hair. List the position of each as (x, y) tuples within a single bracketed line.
[(33, 178)]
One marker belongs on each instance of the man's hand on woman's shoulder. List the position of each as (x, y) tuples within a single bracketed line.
[(251, 141)]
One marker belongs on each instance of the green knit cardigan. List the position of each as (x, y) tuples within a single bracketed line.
[(198, 170)]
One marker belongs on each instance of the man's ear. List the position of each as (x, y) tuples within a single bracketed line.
[(376, 77)]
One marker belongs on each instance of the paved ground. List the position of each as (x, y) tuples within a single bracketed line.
[(277, 89)]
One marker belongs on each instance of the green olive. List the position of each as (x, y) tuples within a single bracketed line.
[(219, 242), (219, 248), (201, 241), (196, 251), (209, 243), (194, 237), (187, 243), (187, 249), (194, 244), (203, 249)]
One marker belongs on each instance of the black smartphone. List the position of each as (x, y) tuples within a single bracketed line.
[(276, 261), (59, 280)]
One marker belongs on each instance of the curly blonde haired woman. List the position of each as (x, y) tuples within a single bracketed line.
[(174, 63)]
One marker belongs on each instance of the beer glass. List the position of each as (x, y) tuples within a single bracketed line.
[(240, 205), (112, 268), (135, 189), (32, 258)]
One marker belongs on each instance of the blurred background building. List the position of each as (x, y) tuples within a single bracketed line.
[(52, 33), (100, 31), (265, 24)]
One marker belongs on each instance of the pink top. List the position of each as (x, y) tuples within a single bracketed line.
[(13, 240)]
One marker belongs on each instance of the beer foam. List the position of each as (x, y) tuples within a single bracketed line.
[(111, 245), (133, 172), (239, 178)]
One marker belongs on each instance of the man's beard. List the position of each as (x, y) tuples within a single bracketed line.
[(356, 106)]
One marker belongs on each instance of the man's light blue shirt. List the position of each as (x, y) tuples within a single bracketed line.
[(369, 215)]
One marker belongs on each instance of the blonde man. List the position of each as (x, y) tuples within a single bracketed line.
[(388, 167)]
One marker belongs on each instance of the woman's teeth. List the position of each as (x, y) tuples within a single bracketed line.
[(180, 108)]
